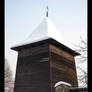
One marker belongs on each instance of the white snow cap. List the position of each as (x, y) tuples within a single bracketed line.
[(62, 83), (46, 29)]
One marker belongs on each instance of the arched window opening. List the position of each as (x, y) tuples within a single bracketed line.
[(62, 86)]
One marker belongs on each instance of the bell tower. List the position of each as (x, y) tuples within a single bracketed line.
[(44, 60)]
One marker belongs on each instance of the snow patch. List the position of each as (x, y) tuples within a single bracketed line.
[(62, 83)]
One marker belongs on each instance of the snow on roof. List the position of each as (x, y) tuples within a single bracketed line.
[(62, 83), (46, 29)]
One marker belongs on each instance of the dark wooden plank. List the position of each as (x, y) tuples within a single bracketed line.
[(33, 70), (62, 65)]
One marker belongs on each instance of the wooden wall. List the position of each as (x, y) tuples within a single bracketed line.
[(32, 74), (62, 67), (40, 67)]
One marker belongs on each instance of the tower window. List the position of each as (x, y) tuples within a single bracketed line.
[(44, 59)]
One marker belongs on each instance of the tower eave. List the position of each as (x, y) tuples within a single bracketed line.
[(47, 41)]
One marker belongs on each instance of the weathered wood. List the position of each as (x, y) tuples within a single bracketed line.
[(62, 67), (34, 50), (33, 75), (61, 52), (41, 65)]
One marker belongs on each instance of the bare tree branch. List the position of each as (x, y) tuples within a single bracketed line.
[(8, 78), (82, 49)]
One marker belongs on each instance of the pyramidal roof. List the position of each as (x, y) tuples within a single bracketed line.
[(45, 30)]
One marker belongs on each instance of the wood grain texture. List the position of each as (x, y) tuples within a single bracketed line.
[(33, 75), (62, 67), (39, 67)]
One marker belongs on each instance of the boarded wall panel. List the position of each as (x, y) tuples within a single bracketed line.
[(32, 74), (62, 67)]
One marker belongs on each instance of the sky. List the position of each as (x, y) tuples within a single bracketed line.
[(23, 16)]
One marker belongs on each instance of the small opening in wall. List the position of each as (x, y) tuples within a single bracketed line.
[(62, 86), (44, 59)]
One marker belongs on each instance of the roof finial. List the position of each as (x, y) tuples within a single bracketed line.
[(47, 11)]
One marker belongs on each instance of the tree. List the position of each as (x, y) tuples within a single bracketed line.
[(82, 48), (8, 78), (82, 59), (82, 77)]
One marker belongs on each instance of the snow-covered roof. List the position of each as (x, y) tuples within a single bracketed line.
[(62, 83), (45, 30)]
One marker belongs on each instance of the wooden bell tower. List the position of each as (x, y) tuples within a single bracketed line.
[(42, 62)]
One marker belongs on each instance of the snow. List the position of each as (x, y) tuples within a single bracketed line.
[(45, 30), (62, 82)]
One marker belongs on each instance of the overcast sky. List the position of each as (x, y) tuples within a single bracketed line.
[(22, 16)]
